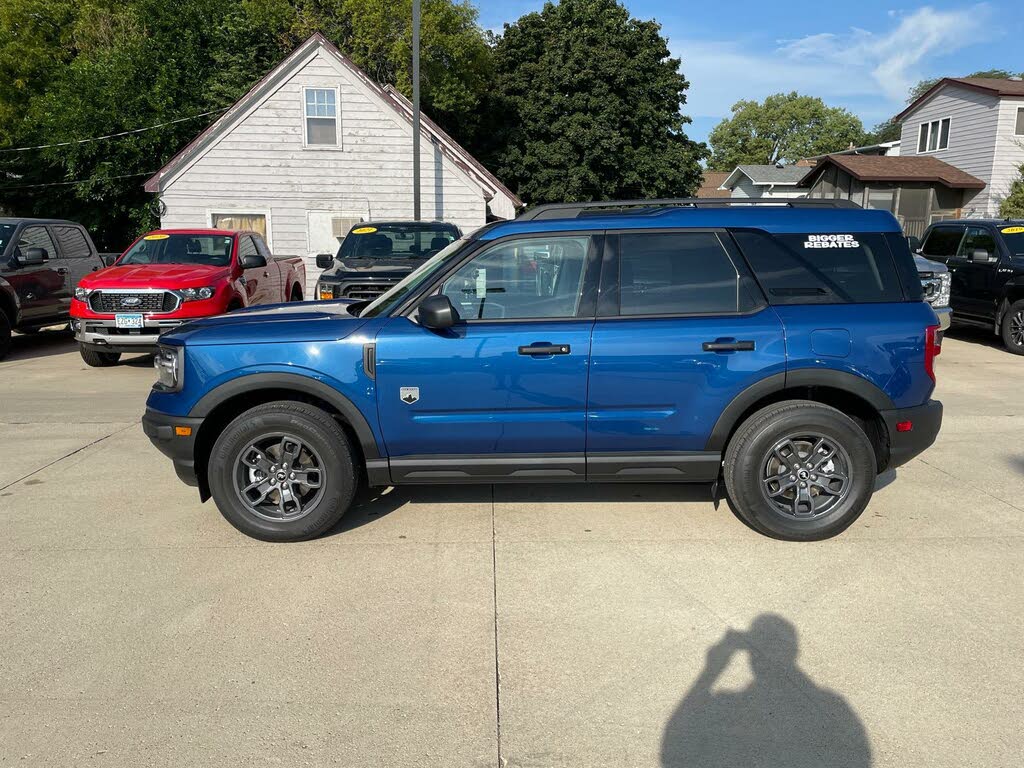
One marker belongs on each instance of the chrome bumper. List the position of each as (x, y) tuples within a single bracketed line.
[(945, 315), (103, 333)]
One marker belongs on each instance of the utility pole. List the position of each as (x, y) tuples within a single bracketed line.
[(416, 109)]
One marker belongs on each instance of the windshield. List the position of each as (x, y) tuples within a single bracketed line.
[(386, 301), (396, 241), (1014, 240), (6, 230), (212, 250)]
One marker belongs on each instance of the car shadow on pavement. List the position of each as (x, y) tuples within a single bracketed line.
[(26, 346), (975, 335), (371, 504), (782, 719)]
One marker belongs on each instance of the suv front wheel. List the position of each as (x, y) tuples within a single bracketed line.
[(799, 471), (1013, 328), (282, 471)]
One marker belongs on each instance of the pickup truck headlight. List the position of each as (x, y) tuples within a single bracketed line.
[(170, 368), (197, 294), (325, 291), (82, 294), (945, 280)]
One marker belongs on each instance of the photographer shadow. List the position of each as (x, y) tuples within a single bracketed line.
[(782, 719)]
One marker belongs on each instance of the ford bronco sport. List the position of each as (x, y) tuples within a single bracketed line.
[(782, 349)]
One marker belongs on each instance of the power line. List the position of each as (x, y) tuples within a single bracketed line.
[(76, 181), (113, 135)]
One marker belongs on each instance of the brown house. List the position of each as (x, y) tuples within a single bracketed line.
[(709, 187), (918, 189)]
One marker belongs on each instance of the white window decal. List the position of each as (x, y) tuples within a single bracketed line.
[(831, 241)]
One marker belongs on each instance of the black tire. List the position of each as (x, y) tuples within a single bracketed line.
[(5, 335), (237, 463), (96, 359), (807, 507), (1012, 329)]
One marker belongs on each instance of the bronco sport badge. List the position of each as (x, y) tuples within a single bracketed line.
[(409, 395)]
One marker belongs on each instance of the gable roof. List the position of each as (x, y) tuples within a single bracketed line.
[(711, 184), (388, 95), (991, 85), (921, 168), (767, 175)]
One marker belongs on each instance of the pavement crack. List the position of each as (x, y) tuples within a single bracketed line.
[(68, 455), (497, 669)]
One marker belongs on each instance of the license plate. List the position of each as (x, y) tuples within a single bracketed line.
[(132, 320)]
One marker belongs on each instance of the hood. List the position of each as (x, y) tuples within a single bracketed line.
[(295, 321), (168, 276), (376, 265), (927, 266)]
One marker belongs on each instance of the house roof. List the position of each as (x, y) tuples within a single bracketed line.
[(766, 175), (991, 85), (711, 184), (269, 82), (896, 168)]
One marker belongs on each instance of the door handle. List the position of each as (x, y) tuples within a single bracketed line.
[(728, 346), (545, 349)]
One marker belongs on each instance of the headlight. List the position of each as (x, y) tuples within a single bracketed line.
[(170, 368), (82, 294), (325, 290), (945, 280), (197, 294)]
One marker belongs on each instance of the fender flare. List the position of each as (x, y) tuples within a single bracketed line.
[(801, 377), (296, 383), (9, 301)]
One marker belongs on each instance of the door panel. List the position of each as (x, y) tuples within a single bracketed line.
[(474, 393), (258, 282), (41, 288), (76, 257), (974, 283)]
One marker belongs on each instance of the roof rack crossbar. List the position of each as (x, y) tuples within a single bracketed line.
[(574, 210)]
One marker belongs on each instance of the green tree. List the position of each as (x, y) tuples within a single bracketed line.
[(586, 105), (887, 130), (783, 128), (923, 86), (1012, 206)]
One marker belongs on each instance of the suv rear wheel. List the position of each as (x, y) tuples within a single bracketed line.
[(799, 471), (282, 471), (1013, 328)]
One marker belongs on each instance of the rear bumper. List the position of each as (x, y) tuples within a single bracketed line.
[(159, 428), (103, 335), (925, 422), (945, 315)]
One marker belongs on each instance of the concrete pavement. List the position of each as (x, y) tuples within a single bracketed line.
[(539, 626)]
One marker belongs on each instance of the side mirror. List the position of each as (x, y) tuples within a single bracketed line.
[(981, 256), (109, 258), (31, 257), (324, 260), (437, 313), (252, 261)]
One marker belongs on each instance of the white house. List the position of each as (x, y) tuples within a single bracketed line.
[(314, 147), (975, 124), (766, 181)]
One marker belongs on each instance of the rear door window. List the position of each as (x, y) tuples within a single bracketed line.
[(943, 242), (72, 241), (831, 268), (977, 239), (680, 273)]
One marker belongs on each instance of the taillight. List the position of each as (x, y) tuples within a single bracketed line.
[(932, 348)]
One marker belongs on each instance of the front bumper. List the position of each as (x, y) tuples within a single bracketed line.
[(160, 429), (925, 421), (945, 315), (103, 335)]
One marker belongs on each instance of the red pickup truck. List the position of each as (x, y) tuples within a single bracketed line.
[(171, 276)]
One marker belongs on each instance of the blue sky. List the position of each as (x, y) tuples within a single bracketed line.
[(859, 55)]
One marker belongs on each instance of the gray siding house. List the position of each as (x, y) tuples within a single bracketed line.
[(766, 182), (975, 124), (315, 147)]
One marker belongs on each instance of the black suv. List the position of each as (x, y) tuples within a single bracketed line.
[(41, 262), (376, 255), (985, 258)]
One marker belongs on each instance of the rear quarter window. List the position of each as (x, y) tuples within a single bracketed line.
[(830, 268)]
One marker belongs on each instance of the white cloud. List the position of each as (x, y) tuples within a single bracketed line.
[(868, 72)]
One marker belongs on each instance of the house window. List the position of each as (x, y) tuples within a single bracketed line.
[(321, 117), (1019, 128), (933, 136), (251, 222)]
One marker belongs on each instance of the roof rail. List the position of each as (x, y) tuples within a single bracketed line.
[(575, 210)]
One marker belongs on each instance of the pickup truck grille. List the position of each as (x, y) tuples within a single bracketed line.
[(362, 291), (141, 301)]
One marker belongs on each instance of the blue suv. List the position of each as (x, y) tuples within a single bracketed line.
[(783, 349)]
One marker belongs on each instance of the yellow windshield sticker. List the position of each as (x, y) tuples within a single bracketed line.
[(363, 230), (156, 237), (1012, 230)]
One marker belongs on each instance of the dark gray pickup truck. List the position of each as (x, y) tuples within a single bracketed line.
[(41, 262)]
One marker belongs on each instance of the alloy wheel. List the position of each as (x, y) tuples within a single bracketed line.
[(805, 476), (278, 477)]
